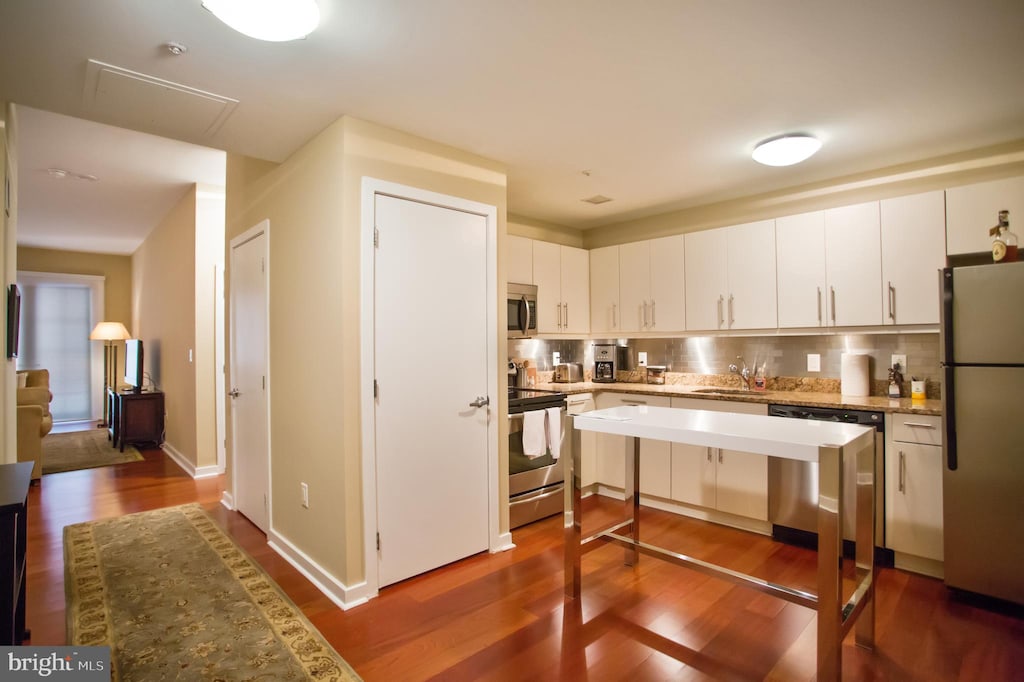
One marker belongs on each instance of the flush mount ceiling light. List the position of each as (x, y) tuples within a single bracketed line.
[(271, 20), (786, 150)]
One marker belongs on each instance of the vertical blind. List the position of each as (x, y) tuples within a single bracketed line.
[(55, 323)]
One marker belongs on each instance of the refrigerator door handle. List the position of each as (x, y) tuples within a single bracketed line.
[(949, 417), (946, 353)]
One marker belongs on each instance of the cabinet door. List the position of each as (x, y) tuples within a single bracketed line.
[(693, 475), (853, 265), (741, 484), (913, 251), (706, 279), (575, 290), (588, 439), (519, 259), (635, 285), (971, 209), (800, 269), (668, 284), (655, 455), (611, 467), (604, 290), (752, 300), (913, 499), (547, 275)]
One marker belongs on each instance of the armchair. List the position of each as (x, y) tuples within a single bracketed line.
[(34, 418)]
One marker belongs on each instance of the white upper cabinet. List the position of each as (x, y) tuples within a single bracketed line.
[(853, 265), (800, 264), (604, 290), (972, 209), (730, 277), (635, 285), (651, 284), (913, 251), (519, 259), (562, 276)]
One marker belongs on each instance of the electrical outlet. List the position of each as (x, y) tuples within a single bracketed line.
[(641, 359), (813, 362), (556, 358), (902, 360), (305, 495)]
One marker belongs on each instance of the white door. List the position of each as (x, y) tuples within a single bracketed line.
[(250, 449), (430, 349)]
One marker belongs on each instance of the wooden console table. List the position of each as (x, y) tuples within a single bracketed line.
[(828, 444), (14, 482), (137, 418)]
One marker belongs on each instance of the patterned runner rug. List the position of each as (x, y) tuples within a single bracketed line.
[(176, 599), (83, 450)]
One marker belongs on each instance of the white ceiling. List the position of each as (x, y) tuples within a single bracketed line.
[(661, 101)]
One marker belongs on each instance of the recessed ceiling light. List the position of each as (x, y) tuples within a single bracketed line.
[(271, 20), (176, 48), (597, 199), (786, 150), (57, 173)]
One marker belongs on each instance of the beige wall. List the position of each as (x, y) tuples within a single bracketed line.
[(545, 232), (313, 204), (116, 271), (8, 239), (209, 259), (933, 174), (164, 315)]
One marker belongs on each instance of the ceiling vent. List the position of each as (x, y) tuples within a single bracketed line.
[(141, 102), (597, 199)]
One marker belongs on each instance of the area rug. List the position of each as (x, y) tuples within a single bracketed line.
[(176, 599), (83, 450)]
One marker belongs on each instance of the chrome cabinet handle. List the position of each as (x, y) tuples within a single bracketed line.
[(721, 317), (634, 402), (732, 318), (643, 315), (614, 311), (559, 307), (833, 304), (920, 425), (719, 455), (903, 474), (653, 321), (892, 302), (819, 305), (566, 306), (480, 401), (709, 455)]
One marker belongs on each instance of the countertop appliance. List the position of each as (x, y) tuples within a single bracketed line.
[(536, 486), (793, 485), (568, 373), (609, 358), (521, 308), (981, 347), (656, 374)]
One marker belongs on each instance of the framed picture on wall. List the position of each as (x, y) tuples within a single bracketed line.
[(13, 320)]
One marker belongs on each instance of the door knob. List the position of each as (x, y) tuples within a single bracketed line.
[(480, 401), (234, 393)]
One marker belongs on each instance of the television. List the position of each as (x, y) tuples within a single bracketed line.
[(133, 375)]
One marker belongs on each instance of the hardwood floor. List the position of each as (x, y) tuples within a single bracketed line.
[(503, 617)]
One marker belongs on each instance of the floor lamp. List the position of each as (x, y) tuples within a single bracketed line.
[(108, 332)]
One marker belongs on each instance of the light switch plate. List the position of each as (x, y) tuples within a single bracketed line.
[(813, 362), (556, 358), (902, 359), (641, 359)]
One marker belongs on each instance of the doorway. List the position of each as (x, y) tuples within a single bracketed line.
[(250, 449), (430, 448)]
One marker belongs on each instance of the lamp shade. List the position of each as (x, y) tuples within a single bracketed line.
[(109, 331), (271, 20)]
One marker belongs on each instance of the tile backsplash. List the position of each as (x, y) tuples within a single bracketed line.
[(783, 355)]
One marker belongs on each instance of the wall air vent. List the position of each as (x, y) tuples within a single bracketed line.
[(597, 199), (138, 101)]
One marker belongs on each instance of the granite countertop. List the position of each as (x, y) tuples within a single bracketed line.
[(781, 397)]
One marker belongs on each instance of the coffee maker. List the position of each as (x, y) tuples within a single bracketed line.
[(609, 358)]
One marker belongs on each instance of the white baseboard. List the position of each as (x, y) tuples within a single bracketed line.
[(504, 543), (339, 593), (187, 466), (228, 500)]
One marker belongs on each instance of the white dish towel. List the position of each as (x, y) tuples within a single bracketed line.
[(554, 431), (534, 433)]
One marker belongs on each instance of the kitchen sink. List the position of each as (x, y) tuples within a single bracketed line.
[(728, 391)]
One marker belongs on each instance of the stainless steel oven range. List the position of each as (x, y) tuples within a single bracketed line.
[(535, 485)]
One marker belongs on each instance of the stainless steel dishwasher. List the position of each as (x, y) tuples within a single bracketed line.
[(793, 485)]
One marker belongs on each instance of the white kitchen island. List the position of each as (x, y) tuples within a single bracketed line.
[(827, 443)]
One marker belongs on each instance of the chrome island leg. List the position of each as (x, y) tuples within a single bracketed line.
[(632, 485), (573, 499), (830, 542)]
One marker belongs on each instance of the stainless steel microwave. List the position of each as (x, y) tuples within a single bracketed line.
[(522, 310)]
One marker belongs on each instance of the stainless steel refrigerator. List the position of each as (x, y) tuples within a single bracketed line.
[(982, 351)]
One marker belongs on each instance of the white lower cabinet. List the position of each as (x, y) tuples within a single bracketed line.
[(656, 456), (716, 478), (577, 404), (913, 487)]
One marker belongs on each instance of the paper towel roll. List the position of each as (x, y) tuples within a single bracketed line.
[(854, 376)]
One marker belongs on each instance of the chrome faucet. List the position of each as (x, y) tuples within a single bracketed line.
[(744, 373)]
